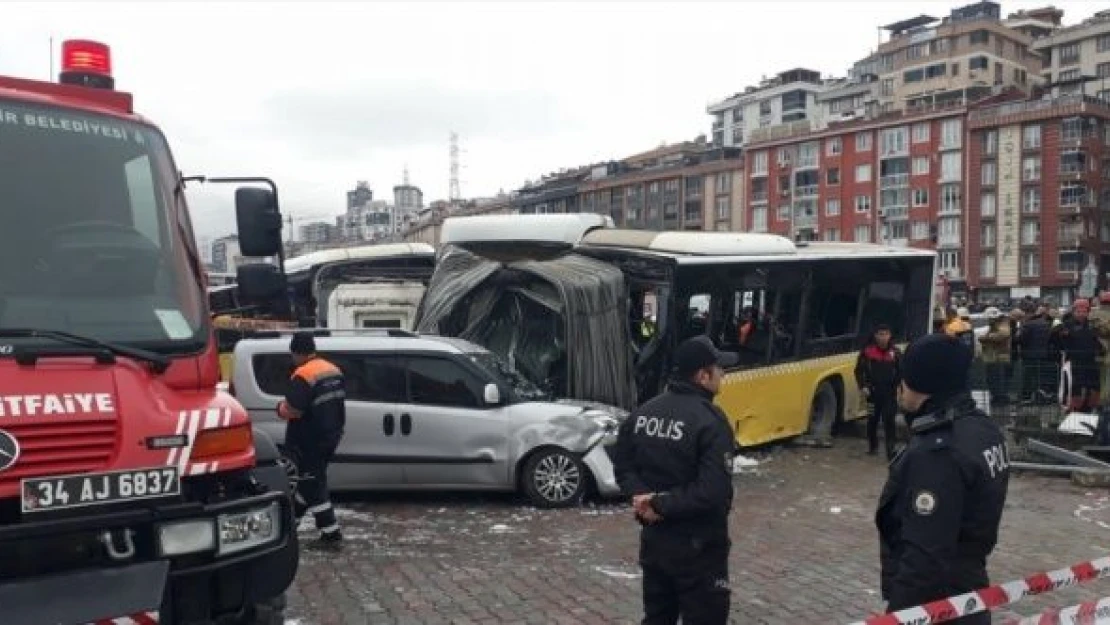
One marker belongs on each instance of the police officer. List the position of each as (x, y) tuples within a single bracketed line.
[(673, 456), (939, 512), (315, 413)]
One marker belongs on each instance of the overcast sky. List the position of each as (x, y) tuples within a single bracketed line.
[(319, 95)]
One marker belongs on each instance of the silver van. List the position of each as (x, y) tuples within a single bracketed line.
[(436, 413)]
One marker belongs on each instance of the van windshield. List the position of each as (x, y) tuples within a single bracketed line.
[(93, 239), (501, 368)]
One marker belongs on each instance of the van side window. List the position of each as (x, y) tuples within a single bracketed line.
[(441, 382), (367, 377)]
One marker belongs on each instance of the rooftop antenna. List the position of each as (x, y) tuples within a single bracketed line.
[(405, 176), (50, 72)]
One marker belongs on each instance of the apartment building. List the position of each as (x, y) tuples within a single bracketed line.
[(1039, 181), (893, 179), (1078, 57), (554, 193), (966, 56), (789, 97), (703, 190)]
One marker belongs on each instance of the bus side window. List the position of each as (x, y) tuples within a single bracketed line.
[(833, 310), (786, 316), (697, 315)]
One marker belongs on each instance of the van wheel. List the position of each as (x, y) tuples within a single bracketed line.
[(554, 478), (822, 415)]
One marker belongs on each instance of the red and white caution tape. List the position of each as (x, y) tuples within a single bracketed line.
[(996, 596), (143, 618), (1086, 613)]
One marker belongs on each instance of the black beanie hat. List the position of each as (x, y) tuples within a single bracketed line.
[(302, 344), (937, 364)]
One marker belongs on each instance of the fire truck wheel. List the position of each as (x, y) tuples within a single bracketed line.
[(271, 612)]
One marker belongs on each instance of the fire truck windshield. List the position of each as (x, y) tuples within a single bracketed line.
[(93, 240)]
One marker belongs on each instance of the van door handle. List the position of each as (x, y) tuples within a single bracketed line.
[(387, 424), (406, 424)]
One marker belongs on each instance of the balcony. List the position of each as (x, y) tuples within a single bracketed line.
[(894, 213), (809, 190), (894, 180), (948, 242), (759, 197), (692, 215), (804, 221), (949, 210)]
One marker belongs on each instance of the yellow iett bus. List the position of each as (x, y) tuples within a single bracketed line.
[(797, 314)]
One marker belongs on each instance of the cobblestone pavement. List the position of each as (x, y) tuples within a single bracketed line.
[(805, 551)]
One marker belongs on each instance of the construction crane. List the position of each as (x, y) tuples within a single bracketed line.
[(291, 219)]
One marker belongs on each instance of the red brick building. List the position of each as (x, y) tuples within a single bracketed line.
[(916, 178), (1038, 181), (887, 179)]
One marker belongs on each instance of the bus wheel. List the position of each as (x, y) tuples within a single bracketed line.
[(822, 415)]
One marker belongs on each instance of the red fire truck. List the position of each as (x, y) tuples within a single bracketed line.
[(131, 489)]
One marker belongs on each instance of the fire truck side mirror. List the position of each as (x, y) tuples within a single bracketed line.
[(259, 283), (258, 220)]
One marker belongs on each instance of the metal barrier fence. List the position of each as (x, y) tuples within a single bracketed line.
[(1032, 397)]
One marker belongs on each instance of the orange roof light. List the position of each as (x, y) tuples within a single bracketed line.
[(87, 63)]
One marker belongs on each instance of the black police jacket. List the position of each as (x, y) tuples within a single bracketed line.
[(939, 512), (679, 446)]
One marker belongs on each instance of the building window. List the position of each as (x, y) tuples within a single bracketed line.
[(723, 208), (1102, 44), (919, 231), (990, 142), (1030, 265), (950, 167), (863, 141), (1031, 169), (949, 262), (989, 174), (920, 197), (920, 165), (759, 219), (863, 203), (988, 205), (948, 231), (784, 156), (723, 179), (979, 37), (894, 141), (783, 213), (1071, 129), (1068, 54), (1070, 74), (921, 132), (759, 163), (863, 173), (832, 234), (896, 231), (978, 62), (987, 235), (832, 176), (986, 266), (1031, 200), (832, 207), (950, 198), (1067, 262), (863, 234), (833, 146), (1031, 138), (950, 134), (1030, 232)]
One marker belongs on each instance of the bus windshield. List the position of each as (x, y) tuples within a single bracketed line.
[(93, 239)]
